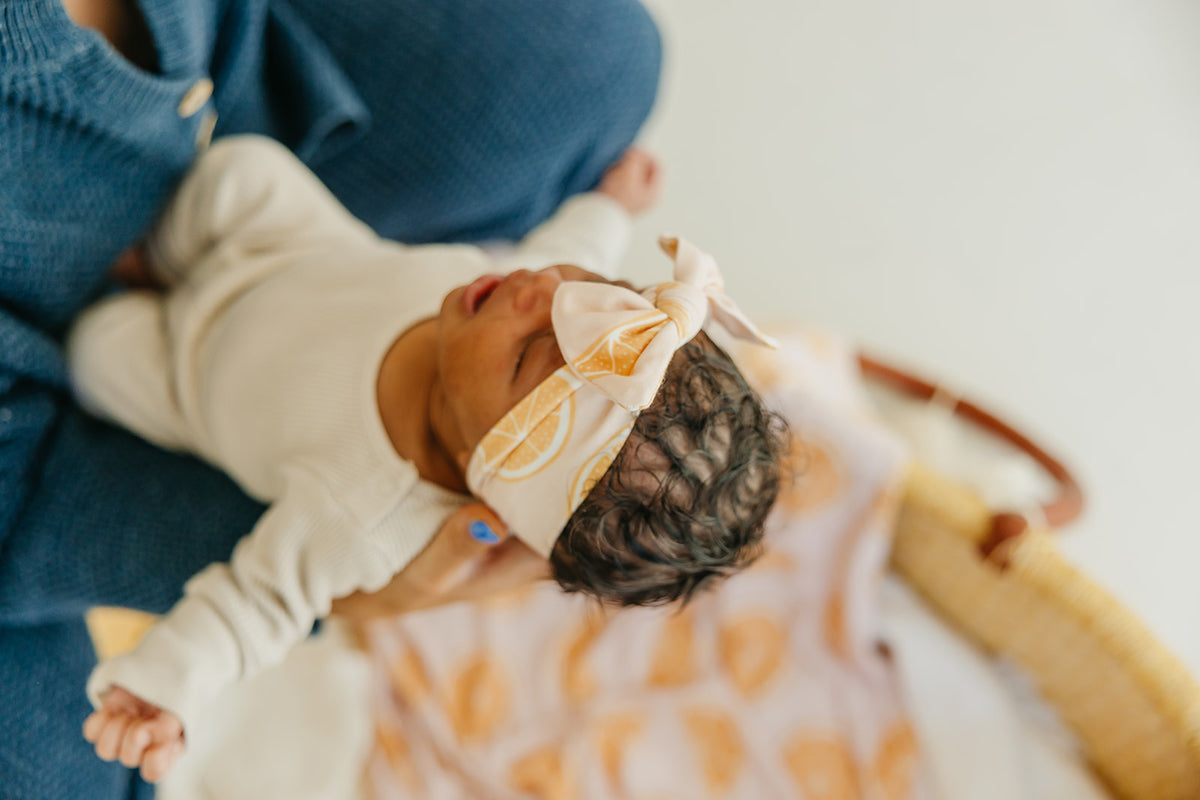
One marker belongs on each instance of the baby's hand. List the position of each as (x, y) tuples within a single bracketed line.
[(127, 728), (633, 181)]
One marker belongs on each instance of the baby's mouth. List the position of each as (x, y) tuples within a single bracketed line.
[(479, 291)]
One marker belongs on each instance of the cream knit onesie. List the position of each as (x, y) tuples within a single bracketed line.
[(262, 358)]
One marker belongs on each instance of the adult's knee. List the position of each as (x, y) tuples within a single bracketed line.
[(605, 55), (587, 85), (486, 114), (621, 44)]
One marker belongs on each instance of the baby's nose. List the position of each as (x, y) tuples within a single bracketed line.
[(538, 291)]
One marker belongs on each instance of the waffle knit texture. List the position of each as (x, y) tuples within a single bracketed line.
[(90, 149), (263, 358)]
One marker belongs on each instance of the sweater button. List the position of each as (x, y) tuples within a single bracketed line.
[(6, 415), (195, 97)]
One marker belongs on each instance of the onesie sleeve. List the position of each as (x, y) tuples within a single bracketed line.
[(590, 230), (238, 618), (247, 192)]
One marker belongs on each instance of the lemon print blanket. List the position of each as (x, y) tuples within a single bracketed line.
[(774, 685)]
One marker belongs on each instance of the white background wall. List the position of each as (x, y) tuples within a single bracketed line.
[(1002, 195)]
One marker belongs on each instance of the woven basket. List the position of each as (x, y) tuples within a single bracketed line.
[(1133, 707)]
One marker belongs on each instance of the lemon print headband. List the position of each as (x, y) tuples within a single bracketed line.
[(540, 461)]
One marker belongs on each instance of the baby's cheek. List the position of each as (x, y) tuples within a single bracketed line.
[(484, 407)]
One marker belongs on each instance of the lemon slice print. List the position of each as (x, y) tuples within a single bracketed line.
[(617, 351), (594, 468), (534, 432)]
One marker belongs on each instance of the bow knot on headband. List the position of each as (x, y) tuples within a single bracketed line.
[(621, 342), (540, 461)]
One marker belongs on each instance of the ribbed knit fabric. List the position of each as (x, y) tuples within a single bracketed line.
[(264, 357), (90, 148)]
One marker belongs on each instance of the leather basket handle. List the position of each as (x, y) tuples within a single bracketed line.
[(1064, 508)]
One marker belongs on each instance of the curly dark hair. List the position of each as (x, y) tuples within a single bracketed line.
[(686, 497)]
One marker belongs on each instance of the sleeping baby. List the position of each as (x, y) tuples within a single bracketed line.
[(294, 349)]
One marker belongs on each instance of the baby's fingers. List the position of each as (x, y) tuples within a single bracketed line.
[(146, 734), (112, 732), (138, 736), (651, 171), (94, 724), (132, 744), (164, 728), (159, 759)]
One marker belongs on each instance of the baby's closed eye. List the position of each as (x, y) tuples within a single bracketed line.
[(539, 357)]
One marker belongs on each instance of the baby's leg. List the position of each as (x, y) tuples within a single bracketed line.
[(121, 368)]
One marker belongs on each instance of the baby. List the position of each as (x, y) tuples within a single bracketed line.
[(294, 350)]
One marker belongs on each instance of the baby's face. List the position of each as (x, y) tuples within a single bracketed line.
[(495, 345)]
